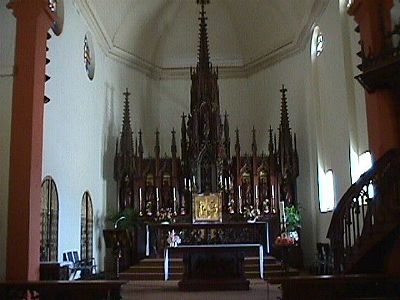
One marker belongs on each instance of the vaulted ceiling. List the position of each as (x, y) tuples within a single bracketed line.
[(163, 34)]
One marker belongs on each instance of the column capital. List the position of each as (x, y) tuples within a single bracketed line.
[(32, 8)]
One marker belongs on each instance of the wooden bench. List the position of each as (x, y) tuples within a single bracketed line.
[(62, 290), (332, 287)]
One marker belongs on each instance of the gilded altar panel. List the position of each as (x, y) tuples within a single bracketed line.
[(207, 208)]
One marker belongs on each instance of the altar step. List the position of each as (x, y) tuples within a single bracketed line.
[(153, 269)]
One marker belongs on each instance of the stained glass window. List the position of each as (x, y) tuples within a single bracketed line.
[(53, 5), (88, 56), (319, 46), (49, 221)]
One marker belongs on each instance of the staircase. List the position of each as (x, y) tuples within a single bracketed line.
[(153, 269), (365, 224)]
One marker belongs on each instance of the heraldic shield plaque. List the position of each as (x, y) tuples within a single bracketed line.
[(207, 208)]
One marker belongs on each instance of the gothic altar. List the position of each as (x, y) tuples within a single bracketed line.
[(171, 188)]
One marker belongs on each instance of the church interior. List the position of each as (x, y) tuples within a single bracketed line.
[(211, 134)]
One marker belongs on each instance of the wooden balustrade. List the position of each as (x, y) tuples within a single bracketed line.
[(62, 290), (367, 212)]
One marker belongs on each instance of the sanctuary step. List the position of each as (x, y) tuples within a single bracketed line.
[(153, 269)]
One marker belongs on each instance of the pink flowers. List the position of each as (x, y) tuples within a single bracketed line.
[(284, 240)]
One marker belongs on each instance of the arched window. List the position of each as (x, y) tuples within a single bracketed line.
[(86, 227), (326, 190), (88, 55), (49, 221)]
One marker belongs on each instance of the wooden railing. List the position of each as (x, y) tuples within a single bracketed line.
[(367, 212), (61, 290)]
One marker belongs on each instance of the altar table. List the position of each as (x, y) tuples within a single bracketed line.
[(215, 266)]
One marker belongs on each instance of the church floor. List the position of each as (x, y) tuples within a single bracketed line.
[(168, 290)]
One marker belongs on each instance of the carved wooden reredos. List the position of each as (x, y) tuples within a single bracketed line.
[(158, 185)]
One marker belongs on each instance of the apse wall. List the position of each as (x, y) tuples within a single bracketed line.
[(7, 44), (326, 111), (171, 98)]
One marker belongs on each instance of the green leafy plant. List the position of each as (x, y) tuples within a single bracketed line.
[(127, 219), (293, 218)]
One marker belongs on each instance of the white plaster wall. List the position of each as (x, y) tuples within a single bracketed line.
[(296, 73), (81, 124), (265, 86), (7, 44)]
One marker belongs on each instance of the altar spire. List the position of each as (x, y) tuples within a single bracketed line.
[(204, 52)]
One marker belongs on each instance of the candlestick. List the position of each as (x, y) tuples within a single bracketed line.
[(157, 201), (239, 200), (282, 213), (140, 202)]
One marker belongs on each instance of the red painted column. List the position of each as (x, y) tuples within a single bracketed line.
[(373, 18), (34, 19)]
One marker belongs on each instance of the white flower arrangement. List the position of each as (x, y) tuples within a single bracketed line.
[(173, 239), (250, 213)]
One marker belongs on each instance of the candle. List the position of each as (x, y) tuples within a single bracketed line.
[(190, 186), (174, 192), (157, 202), (220, 179), (282, 211), (256, 191), (184, 180), (140, 201), (273, 192), (240, 195), (230, 182)]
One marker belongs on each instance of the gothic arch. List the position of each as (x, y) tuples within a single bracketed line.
[(49, 221), (86, 227)]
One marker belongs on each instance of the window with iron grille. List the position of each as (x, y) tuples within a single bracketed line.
[(49, 221), (86, 227)]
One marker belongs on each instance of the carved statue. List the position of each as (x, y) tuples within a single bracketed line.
[(167, 194), (150, 197), (125, 199)]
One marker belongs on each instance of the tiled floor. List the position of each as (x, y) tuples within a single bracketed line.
[(168, 290)]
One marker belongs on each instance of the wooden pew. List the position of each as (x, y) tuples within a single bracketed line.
[(62, 290), (332, 287)]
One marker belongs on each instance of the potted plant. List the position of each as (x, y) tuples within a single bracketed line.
[(127, 219), (292, 222)]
